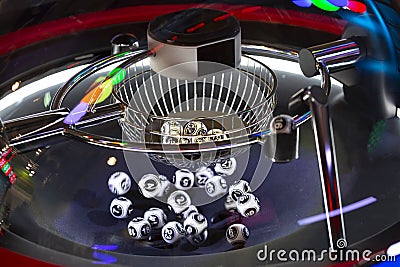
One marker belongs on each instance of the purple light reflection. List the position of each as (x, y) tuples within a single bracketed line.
[(302, 3), (105, 247), (77, 113), (103, 258), (320, 217), (339, 3)]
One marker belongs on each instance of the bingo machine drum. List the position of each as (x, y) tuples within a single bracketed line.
[(200, 133)]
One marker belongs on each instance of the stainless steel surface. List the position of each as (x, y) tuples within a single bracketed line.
[(124, 42)]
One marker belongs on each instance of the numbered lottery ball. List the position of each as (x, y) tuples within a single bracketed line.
[(216, 186), (183, 179), (226, 167), (139, 228), (178, 201), (191, 209), (119, 183), (230, 204), (195, 224), (121, 207), (150, 186), (170, 132), (194, 128), (172, 232), (237, 234), (156, 217), (202, 175), (171, 128), (248, 205), (197, 240), (238, 189)]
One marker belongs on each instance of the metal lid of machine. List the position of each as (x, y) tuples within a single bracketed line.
[(194, 27)]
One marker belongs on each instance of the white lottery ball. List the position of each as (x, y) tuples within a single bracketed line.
[(202, 175), (119, 183), (226, 167), (172, 232), (150, 185), (183, 179), (248, 205), (156, 217), (194, 128), (178, 201), (138, 228), (121, 207), (195, 224), (171, 128), (216, 186), (238, 189), (237, 234)]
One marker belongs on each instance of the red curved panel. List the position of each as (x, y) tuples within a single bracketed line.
[(47, 30)]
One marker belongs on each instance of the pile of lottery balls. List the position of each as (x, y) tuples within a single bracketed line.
[(190, 223), (193, 131)]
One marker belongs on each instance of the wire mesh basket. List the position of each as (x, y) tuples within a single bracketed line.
[(218, 111)]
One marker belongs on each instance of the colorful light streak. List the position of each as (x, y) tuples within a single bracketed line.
[(325, 5), (333, 5), (99, 91)]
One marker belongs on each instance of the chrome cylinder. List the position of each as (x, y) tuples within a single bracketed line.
[(335, 56)]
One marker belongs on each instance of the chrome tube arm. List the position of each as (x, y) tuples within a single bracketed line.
[(261, 50), (36, 128)]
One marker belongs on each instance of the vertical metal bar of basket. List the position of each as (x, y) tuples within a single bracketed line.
[(204, 94), (162, 95), (178, 87), (220, 91), (170, 94)]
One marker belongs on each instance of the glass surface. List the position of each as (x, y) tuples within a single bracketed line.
[(58, 209)]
